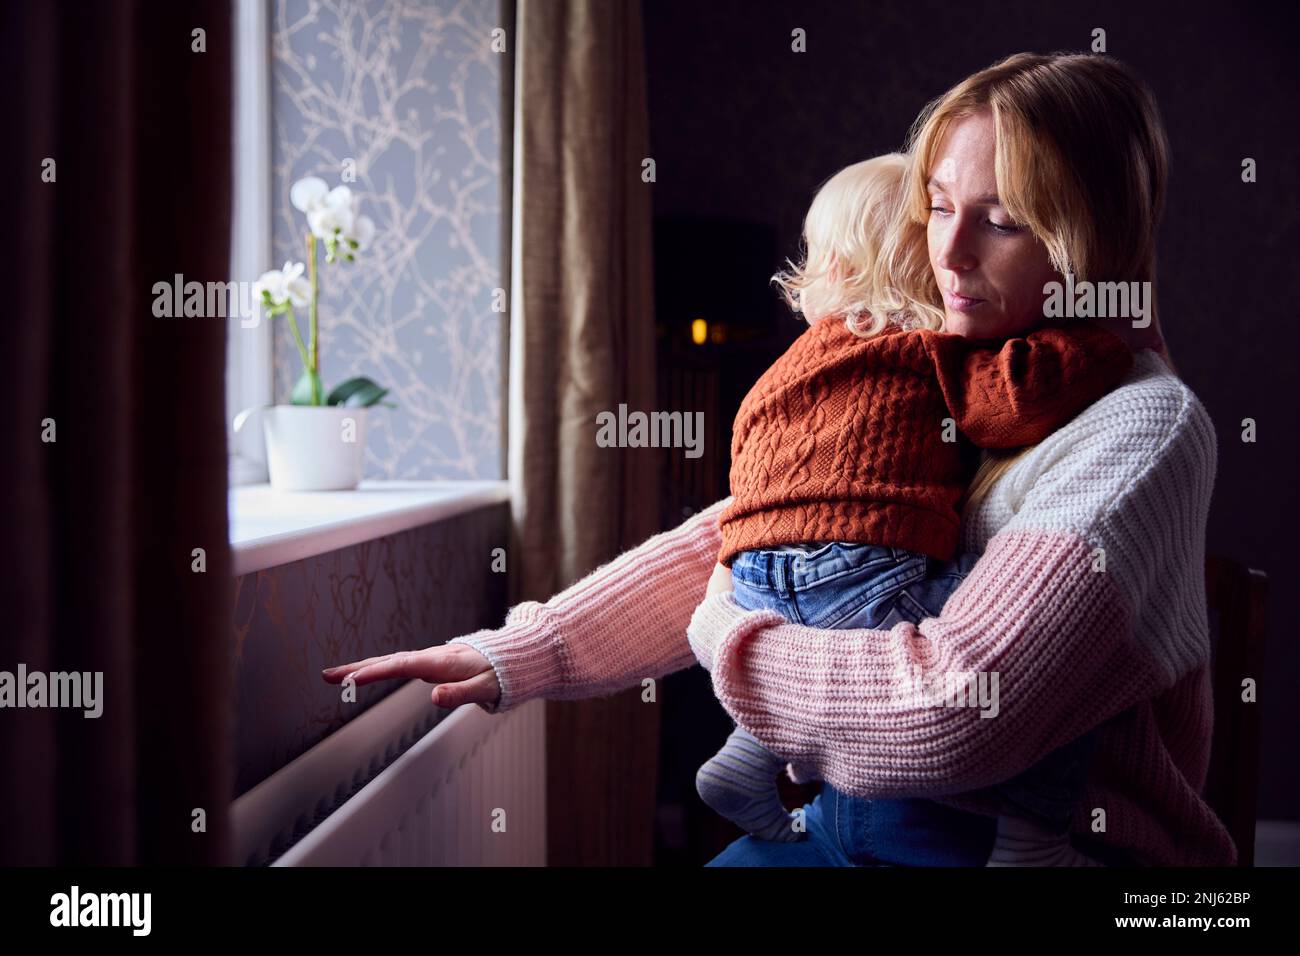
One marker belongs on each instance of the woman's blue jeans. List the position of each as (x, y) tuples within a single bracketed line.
[(843, 585)]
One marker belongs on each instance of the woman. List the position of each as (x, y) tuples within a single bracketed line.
[(1088, 598)]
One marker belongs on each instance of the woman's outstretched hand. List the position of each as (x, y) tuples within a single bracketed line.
[(462, 674)]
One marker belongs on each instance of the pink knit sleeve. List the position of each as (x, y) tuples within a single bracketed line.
[(622, 623), (1033, 628)]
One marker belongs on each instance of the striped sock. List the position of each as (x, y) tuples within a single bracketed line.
[(739, 782), (1024, 843)]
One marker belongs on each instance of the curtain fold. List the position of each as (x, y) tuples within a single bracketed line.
[(102, 524), (582, 342)]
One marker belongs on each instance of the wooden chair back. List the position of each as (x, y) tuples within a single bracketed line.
[(1236, 596)]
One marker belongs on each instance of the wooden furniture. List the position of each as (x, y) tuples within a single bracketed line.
[(1236, 596)]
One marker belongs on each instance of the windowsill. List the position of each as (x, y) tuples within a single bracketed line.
[(269, 528)]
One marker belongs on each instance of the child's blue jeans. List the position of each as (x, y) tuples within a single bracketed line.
[(843, 585)]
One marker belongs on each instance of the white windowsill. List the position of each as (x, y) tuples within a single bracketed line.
[(269, 528)]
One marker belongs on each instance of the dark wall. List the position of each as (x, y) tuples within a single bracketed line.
[(742, 128)]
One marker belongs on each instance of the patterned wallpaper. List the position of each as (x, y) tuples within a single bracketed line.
[(409, 89)]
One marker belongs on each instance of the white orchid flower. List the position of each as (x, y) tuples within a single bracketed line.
[(272, 283), (363, 227), (283, 285), (333, 214), (299, 291), (363, 232), (296, 288), (308, 193), (325, 222)]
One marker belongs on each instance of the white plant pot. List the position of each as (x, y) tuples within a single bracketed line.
[(313, 447)]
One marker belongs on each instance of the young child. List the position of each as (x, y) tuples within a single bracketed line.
[(849, 459)]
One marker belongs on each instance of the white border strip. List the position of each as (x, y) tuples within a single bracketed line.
[(270, 528)]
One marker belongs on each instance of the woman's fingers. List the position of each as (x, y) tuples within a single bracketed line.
[(445, 663), (335, 674), (482, 689), (422, 665)]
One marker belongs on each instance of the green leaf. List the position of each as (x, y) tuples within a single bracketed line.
[(365, 397), (302, 392), (340, 393), (359, 392)]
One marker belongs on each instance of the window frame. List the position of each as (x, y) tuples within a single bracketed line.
[(249, 355)]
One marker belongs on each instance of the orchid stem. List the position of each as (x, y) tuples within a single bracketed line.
[(297, 336), (315, 341)]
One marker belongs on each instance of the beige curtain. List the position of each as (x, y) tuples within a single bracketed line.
[(582, 342)]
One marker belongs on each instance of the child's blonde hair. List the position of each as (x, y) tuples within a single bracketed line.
[(856, 237)]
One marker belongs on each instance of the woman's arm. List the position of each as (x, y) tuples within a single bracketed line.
[(1113, 522), (620, 624), (861, 706)]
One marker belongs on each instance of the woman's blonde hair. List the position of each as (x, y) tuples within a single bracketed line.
[(852, 245), (1081, 159)]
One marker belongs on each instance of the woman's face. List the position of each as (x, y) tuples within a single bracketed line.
[(990, 270)]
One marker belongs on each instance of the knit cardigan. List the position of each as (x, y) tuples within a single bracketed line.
[(1088, 603)]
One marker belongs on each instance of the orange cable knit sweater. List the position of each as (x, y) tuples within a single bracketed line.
[(873, 440)]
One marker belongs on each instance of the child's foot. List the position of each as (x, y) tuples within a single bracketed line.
[(1022, 843), (739, 783), (1064, 855)]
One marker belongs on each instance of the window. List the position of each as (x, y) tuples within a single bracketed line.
[(401, 102)]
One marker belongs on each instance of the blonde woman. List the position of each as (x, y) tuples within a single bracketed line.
[(1088, 597), (846, 472)]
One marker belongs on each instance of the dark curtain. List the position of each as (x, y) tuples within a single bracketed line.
[(101, 525)]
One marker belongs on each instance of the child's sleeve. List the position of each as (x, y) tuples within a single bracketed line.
[(1020, 393)]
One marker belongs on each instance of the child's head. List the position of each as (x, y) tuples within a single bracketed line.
[(853, 234)]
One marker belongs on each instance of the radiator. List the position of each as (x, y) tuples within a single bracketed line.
[(406, 784)]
